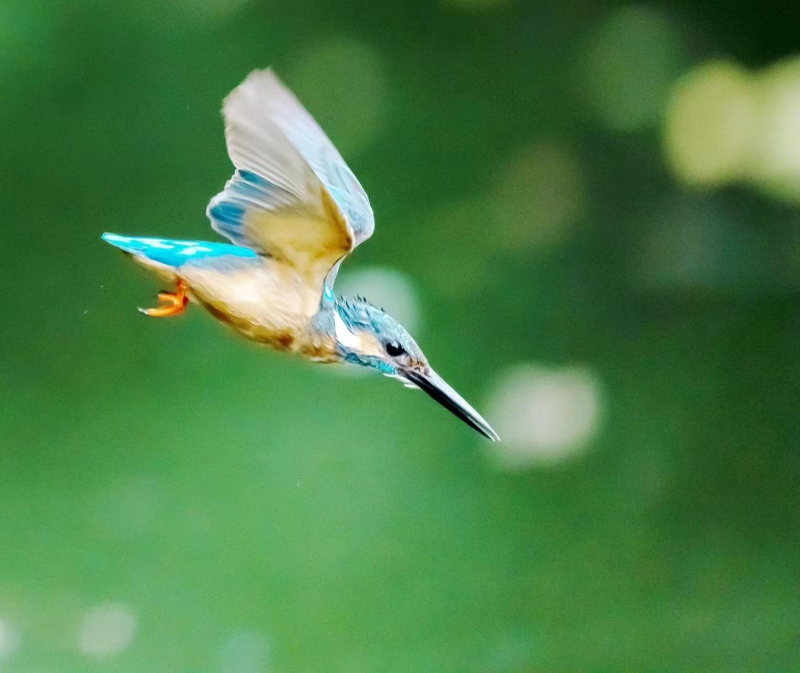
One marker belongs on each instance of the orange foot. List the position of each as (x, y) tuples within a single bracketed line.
[(173, 303)]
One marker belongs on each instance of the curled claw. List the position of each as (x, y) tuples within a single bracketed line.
[(172, 303)]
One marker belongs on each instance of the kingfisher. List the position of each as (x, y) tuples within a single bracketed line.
[(292, 212)]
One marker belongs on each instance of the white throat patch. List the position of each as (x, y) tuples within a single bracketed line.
[(344, 336)]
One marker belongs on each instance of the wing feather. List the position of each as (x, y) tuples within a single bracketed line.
[(293, 196)]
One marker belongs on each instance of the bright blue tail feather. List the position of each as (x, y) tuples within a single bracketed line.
[(175, 253)]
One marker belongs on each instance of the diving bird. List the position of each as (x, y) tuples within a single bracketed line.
[(293, 211)]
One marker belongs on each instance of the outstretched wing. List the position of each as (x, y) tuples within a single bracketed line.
[(292, 196)]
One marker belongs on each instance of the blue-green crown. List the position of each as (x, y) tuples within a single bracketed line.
[(359, 315)]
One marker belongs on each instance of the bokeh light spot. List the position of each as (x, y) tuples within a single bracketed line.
[(9, 640), (689, 244), (709, 126), (343, 84), (106, 630), (244, 652), (543, 415), (538, 197), (776, 146), (628, 67)]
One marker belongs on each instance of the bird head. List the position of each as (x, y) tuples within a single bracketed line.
[(370, 337)]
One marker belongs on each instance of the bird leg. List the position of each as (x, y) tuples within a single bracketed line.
[(172, 303)]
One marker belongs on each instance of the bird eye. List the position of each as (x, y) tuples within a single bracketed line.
[(394, 349)]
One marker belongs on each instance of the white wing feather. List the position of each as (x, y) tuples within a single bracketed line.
[(293, 196)]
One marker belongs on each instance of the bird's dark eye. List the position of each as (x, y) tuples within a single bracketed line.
[(394, 349)]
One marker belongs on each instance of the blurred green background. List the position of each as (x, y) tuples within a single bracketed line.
[(588, 212)]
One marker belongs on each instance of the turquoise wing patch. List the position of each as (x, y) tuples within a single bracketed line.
[(245, 192), (175, 253)]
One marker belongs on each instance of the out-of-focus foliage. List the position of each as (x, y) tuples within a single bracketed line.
[(589, 211)]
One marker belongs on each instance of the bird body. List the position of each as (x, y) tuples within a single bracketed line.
[(264, 301), (293, 211)]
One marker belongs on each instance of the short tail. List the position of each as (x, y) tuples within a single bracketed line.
[(174, 253), (156, 253)]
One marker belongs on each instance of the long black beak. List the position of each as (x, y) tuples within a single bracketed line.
[(437, 388)]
